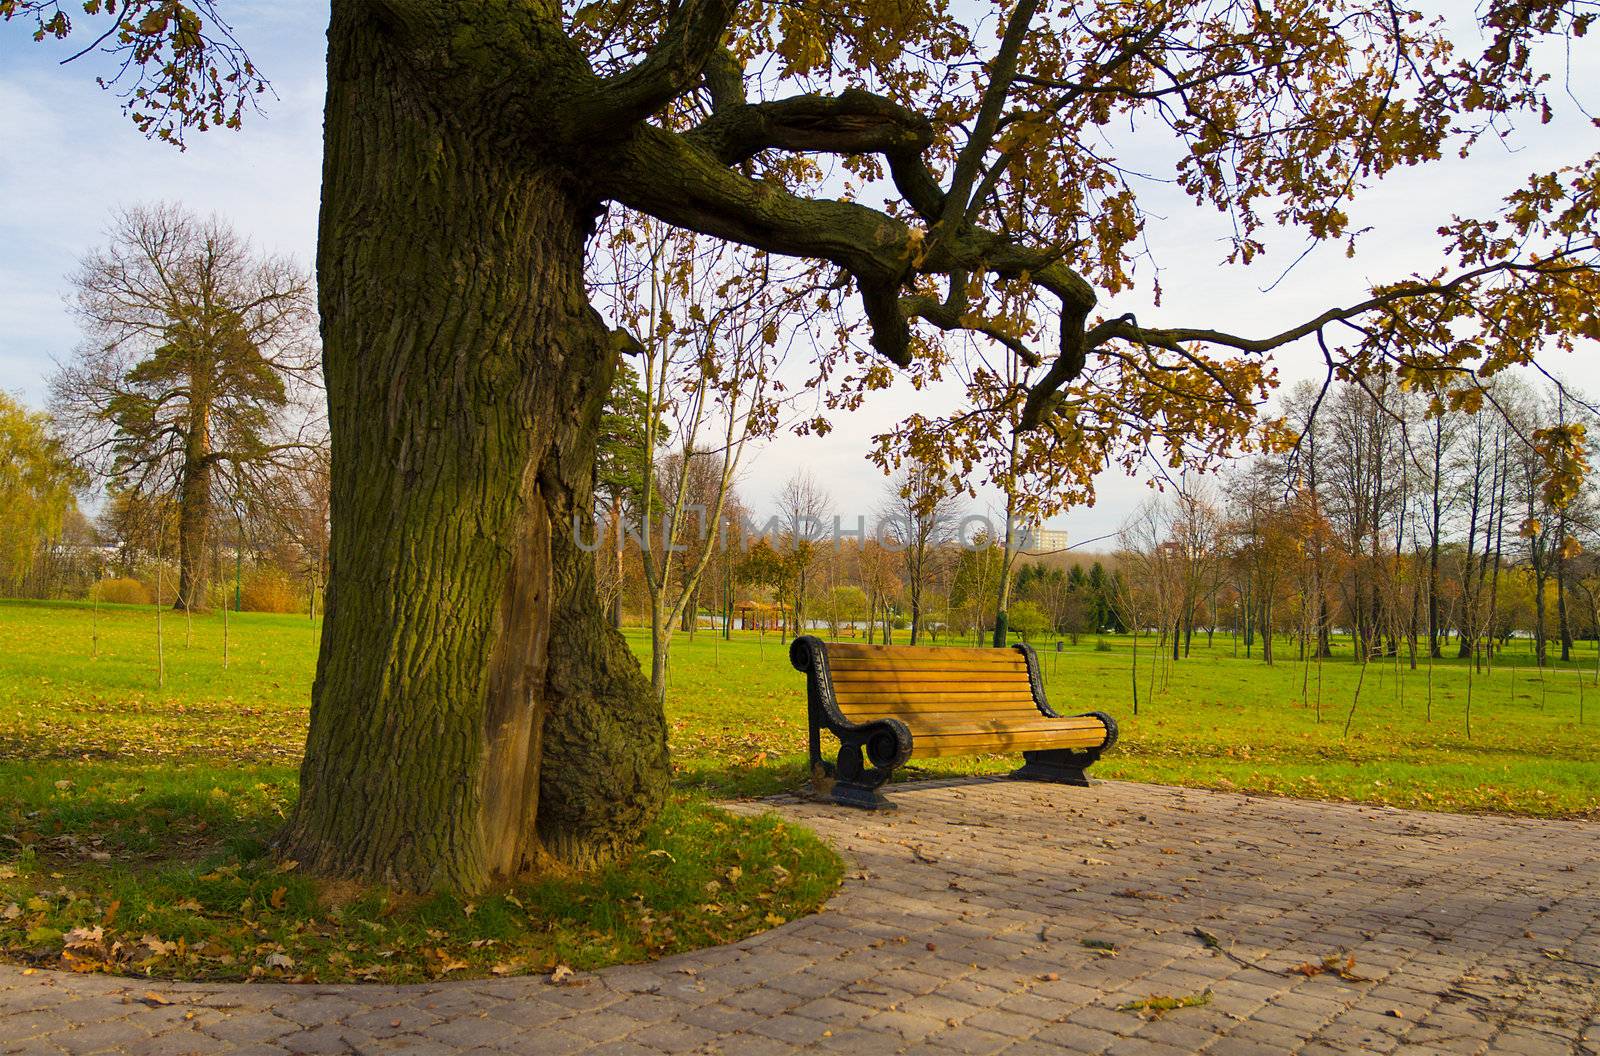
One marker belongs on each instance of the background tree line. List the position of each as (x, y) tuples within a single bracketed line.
[(189, 416), (1385, 531), (189, 411)]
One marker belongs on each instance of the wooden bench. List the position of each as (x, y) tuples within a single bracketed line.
[(887, 704)]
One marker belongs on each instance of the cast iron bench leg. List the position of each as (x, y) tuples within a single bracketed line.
[(855, 785), (1062, 766)]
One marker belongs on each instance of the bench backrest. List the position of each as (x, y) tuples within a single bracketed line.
[(930, 685)]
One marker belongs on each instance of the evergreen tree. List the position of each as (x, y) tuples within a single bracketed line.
[(183, 384)]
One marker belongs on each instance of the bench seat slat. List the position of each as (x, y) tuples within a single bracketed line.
[(890, 701), (985, 690), (929, 654), (928, 726), (926, 719), (913, 678), (990, 744), (915, 690), (950, 666)]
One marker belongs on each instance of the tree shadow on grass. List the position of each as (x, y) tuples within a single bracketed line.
[(104, 811)]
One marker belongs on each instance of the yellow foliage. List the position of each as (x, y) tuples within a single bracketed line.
[(121, 591), (268, 590)]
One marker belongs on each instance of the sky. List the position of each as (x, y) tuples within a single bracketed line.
[(68, 157)]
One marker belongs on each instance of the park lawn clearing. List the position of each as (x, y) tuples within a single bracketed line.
[(134, 819), (1211, 720), (736, 711), (142, 809)]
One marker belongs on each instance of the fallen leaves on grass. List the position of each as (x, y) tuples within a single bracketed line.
[(245, 916)]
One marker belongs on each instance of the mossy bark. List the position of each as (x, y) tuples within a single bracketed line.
[(474, 715)]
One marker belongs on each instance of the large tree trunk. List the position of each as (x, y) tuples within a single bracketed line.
[(194, 521), (474, 713)]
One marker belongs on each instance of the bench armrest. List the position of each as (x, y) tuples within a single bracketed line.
[(1036, 683), (886, 742)]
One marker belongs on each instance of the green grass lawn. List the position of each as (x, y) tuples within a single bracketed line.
[(133, 821), (141, 809), (737, 714), (738, 724)]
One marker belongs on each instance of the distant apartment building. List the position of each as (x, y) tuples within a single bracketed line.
[(1043, 540)]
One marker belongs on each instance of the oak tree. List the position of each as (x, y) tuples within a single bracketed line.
[(951, 167)]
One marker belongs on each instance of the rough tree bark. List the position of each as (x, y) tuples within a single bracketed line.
[(474, 714)]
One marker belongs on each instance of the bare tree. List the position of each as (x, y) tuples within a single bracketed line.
[(801, 508), (708, 350), (1197, 532), (296, 504), (919, 515), (195, 349)]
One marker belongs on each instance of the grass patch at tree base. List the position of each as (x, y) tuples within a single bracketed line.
[(136, 873)]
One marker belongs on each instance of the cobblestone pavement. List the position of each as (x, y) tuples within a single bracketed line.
[(962, 929)]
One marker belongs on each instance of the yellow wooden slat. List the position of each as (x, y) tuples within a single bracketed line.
[(893, 663), (919, 653), (935, 747), (879, 709), (932, 687), (965, 726), (868, 693), (969, 688), (952, 680), (987, 675), (941, 719)]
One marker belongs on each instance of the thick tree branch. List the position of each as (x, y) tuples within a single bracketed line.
[(674, 66), (668, 176), (678, 179), (853, 122), (724, 78), (1002, 72)]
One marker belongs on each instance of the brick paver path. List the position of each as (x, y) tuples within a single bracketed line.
[(961, 930)]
